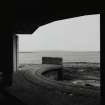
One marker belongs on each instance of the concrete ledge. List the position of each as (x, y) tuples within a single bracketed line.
[(36, 77)]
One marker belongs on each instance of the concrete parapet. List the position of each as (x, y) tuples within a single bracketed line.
[(52, 60)]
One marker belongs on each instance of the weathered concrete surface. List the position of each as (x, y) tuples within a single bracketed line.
[(33, 92), (52, 60)]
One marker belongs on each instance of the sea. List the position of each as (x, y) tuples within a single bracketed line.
[(68, 56)]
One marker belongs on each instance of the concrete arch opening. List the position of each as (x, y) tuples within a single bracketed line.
[(75, 34)]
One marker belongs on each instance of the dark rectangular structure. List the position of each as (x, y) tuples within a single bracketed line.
[(52, 60)]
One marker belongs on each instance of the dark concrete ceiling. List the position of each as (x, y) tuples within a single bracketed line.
[(29, 16)]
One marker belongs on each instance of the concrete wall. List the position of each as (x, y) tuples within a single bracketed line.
[(52, 60), (6, 58)]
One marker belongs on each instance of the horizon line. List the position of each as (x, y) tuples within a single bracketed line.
[(58, 51)]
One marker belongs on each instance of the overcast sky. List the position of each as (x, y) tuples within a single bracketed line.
[(74, 34)]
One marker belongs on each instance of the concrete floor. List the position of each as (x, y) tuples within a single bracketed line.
[(34, 94), (8, 99)]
